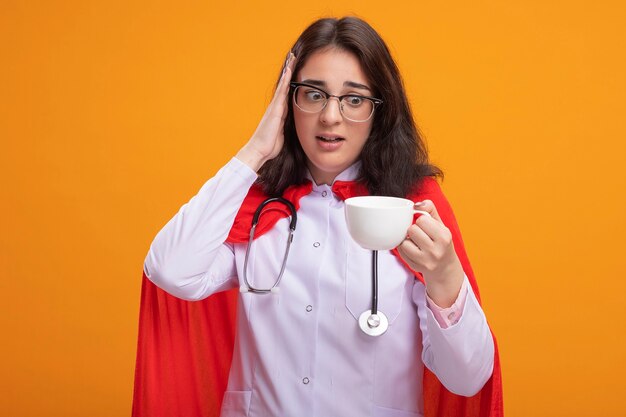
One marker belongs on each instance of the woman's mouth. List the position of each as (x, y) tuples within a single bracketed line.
[(329, 143), (329, 139)]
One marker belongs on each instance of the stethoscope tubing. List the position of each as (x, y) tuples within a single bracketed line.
[(255, 221), (374, 282)]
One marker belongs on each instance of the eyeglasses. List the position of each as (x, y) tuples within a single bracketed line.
[(353, 107)]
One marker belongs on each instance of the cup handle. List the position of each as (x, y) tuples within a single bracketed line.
[(422, 212)]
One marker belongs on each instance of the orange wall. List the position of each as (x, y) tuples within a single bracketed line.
[(112, 115)]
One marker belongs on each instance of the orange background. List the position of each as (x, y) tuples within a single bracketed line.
[(113, 114)]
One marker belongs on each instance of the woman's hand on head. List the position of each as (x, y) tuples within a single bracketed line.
[(429, 249), (268, 139)]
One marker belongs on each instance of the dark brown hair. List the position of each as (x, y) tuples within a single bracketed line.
[(394, 158)]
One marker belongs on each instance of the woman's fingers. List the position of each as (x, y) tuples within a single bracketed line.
[(268, 138), (429, 207), (419, 237), (428, 242), (432, 225), (277, 109), (411, 254), (435, 230), (280, 94)]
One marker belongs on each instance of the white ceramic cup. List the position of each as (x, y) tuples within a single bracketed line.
[(379, 223)]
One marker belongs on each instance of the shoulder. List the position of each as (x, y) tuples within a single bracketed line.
[(426, 188)]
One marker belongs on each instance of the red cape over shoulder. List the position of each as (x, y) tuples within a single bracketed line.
[(185, 348)]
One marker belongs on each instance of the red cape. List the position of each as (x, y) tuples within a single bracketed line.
[(185, 348)]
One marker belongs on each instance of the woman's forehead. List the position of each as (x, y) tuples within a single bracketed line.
[(334, 68)]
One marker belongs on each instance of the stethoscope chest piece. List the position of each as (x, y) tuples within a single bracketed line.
[(373, 324)]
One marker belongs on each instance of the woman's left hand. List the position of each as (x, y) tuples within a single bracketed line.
[(429, 249)]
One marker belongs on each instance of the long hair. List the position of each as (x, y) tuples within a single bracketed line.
[(394, 158)]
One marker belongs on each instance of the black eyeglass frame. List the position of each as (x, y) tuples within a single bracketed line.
[(374, 100)]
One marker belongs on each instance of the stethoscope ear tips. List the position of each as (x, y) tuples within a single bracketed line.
[(243, 289), (275, 290)]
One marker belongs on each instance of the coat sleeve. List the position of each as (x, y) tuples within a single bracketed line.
[(462, 355), (189, 257)]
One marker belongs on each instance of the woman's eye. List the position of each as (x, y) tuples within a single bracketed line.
[(354, 100), (314, 95)]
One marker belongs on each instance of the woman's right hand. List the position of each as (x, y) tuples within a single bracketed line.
[(268, 139)]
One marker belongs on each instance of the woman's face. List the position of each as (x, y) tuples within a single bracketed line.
[(331, 142)]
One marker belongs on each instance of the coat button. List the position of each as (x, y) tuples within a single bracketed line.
[(309, 308), (305, 380), (324, 193), (316, 245)]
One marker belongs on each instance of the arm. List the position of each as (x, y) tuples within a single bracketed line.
[(462, 354), (446, 317), (188, 257)]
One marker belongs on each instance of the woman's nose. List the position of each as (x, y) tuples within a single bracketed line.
[(331, 113)]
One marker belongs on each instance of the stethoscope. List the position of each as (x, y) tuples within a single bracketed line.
[(255, 219), (372, 321)]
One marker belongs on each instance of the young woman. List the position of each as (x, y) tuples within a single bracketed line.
[(339, 125)]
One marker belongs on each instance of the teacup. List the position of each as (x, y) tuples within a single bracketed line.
[(379, 223)]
